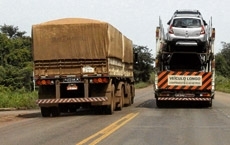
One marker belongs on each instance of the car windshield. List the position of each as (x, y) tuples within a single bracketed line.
[(186, 23)]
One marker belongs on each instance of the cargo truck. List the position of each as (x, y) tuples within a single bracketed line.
[(81, 63), (184, 74)]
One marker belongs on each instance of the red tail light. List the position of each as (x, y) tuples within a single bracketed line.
[(44, 82), (95, 80), (105, 80), (202, 30), (171, 29), (100, 80), (48, 82), (38, 82)]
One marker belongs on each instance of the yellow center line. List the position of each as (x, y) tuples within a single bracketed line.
[(102, 134)]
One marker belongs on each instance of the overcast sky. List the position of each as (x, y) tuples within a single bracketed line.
[(137, 19)]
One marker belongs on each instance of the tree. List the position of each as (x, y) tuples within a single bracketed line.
[(144, 67), (15, 58), (5, 46), (11, 31), (223, 60)]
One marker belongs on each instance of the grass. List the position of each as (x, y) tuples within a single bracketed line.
[(17, 98), (222, 84), (146, 84), (141, 85)]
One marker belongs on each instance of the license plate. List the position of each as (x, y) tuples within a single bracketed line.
[(184, 95), (179, 95), (72, 87), (88, 69)]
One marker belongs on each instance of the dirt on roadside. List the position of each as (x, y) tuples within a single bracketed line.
[(15, 115)]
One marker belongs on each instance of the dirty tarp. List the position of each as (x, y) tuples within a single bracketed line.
[(77, 38), (128, 50)]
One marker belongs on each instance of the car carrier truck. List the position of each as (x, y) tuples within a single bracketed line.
[(81, 63), (183, 75)]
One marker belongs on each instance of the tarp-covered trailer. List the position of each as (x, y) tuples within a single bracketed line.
[(81, 63)]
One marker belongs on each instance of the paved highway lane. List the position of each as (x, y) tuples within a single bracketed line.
[(140, 124), (178, 125)]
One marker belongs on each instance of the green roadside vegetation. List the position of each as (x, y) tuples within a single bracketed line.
[(222, 84), (19, 99), (150, 82)]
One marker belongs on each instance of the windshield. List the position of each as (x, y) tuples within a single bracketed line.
[(186, 23)]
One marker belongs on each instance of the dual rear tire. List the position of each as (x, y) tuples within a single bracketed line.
[(110, 108), (50, 111)]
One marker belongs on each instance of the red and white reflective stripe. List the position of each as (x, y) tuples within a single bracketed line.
[(183, 99), (71, 100)]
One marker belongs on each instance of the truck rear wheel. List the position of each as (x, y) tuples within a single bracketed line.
[(110, 108), (45, 111), (132, 93), (208, 104), (122, 97), (159, 103), (128, 98), (55, 111)]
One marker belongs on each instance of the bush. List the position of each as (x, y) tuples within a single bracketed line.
[(222, 84), (17, 98)]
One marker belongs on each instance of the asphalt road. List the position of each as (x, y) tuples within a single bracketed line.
[(140, 124)]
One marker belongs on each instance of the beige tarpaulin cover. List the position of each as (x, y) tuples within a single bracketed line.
[(78, 38), (128, 50)]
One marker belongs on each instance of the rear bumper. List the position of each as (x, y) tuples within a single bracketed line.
[(187, 42), (182, 99), (71, 100)]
